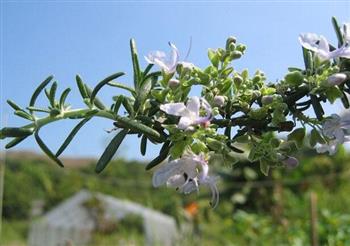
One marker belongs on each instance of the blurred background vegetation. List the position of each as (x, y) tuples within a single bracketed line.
[(253, 209)]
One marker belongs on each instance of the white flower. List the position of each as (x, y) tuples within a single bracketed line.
[(189, 113), (319, 45), (186, 175), (336, 129), (331, 147), (167, 64)]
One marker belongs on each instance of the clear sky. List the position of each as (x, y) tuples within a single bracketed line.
[(91, 38)]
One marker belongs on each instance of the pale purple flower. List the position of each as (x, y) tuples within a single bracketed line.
[(189, 113), (319, 45), (166, 63), (336, 129), (186, 174), (331, 147)]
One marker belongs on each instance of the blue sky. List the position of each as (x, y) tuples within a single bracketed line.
[(92, 39)]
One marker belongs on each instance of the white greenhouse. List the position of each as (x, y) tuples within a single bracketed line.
[(73, 223)]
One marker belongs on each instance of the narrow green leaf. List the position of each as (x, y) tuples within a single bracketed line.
[(9, 132), (46, 150), (163, 154), (121, 86), (148, 68), (71, 136), (39, 89), (52, 94), (143, 146), (14, 142), (338, 31), (128, 106), (44, 110), (345, 100), (14, 105), (47, 93), (140, 128), (81, 87), (24, 115), (63, 97), (118, 103), (110, 151), (317, 107), (308, 59), (143, 92), (151, 75), (102, 83), (97, 101), (135, 63), (264, 167)]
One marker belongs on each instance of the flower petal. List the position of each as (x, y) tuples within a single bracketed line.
[(177, 109), (193, 105), (160, 55), (309, 41), (323, 44), (174, 57), (184, 123), (162, 174)]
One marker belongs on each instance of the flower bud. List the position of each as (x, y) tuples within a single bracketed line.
[(173, 83), (190, 130), (294, 78), (219, 101), (267, 100), (336, 79), (290, 162), (231, 40), (235, 55), (237, 80)]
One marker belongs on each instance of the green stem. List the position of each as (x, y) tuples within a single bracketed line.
[(69, 114)]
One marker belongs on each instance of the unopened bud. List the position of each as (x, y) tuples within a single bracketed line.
[(230, 40), (173, 83), (291, 162), (237, 80), (336, 79), (219, 101), (235, 55), (190, 129), (267, 100)]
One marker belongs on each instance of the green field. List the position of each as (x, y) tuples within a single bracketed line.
[(253, 209)]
